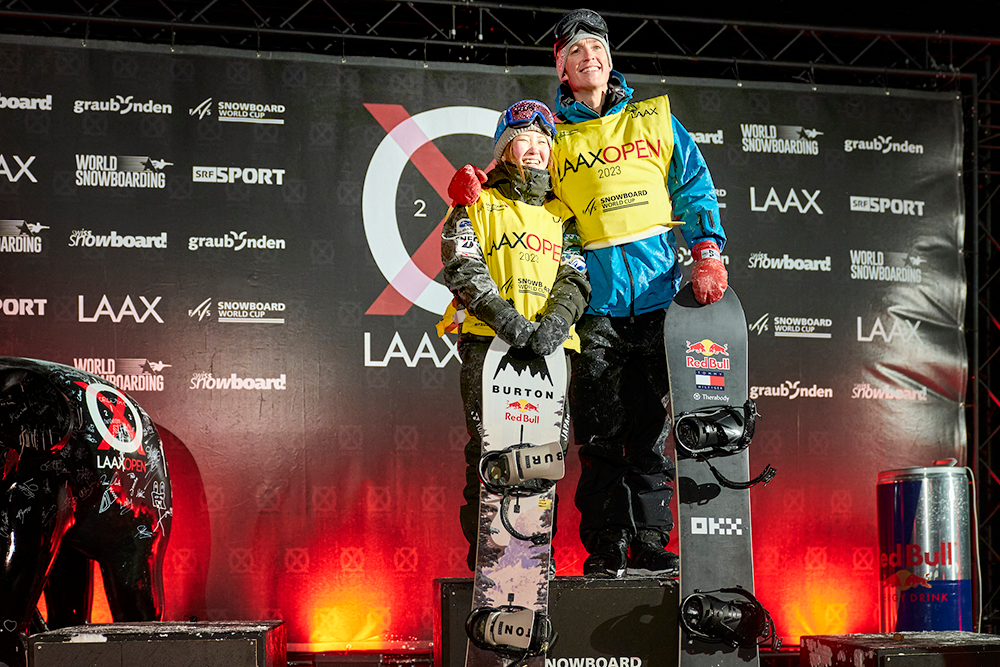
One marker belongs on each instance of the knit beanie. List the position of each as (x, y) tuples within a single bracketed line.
[(510, 132), (581, 33)]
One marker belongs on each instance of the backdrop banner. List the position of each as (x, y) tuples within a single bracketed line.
[(249, 246)]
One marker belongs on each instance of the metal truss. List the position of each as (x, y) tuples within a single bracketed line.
[(504, 34), (512, 35)]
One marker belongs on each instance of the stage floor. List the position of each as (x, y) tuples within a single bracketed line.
[(786, 657)]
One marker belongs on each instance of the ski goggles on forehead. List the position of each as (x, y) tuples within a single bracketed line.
[(525, 112), (585, 21)]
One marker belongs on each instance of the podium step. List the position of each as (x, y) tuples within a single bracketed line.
[(233, 644), (601, 622), (902, 649)]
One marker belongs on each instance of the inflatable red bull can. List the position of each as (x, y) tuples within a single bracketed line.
[(925, 561)]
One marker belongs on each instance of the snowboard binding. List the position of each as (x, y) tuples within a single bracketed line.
[(738, 623), (519, 471), (717, 430), (522, 469), (720, 430), (512, 632)]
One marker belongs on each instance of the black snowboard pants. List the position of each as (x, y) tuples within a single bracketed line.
[(619, 401), (472, 350)]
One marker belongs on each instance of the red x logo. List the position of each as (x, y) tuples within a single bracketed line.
[(297, 561), (241, 561), (816, 559), (769, 558), (379, 499), (405, 559), (432, 499), (352, 559), (324, 498), (434, 167), (406, 438), (863, 558), (836, 613), (841, 501), (116, 405), (795, 500), (185, 561), (215, 499)]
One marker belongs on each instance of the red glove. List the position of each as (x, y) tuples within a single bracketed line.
[(465, 185), (709, 277)]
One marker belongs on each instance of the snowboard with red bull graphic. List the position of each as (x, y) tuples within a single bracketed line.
[(707, 365), (524, 403)]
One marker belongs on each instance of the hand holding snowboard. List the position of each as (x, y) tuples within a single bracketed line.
[(709, 277)]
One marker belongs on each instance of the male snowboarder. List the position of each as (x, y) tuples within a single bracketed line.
[(629, 171)]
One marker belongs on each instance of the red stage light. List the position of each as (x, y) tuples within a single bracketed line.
[(809, 600)]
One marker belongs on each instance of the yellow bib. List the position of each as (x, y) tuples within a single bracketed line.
[(522, 246), (612, 173)]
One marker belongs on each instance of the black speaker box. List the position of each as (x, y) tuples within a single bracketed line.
[(229, 644), (600, 622)]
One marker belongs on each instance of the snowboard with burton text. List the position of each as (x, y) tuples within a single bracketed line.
[(524, 417)]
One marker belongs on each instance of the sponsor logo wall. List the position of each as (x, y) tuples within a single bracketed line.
[(261, 274)]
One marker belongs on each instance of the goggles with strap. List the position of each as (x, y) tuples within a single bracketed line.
[(524, 113), (586, 20)]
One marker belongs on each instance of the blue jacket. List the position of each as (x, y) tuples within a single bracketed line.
[(642, 276)]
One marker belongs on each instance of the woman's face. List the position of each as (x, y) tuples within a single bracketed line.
[(530, 149)]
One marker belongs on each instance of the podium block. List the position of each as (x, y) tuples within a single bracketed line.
[(901, 649), (601, 622), (233, 644)]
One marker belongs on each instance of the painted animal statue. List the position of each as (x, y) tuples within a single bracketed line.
[(84, 478)]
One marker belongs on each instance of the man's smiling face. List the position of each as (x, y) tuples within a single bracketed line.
[(587, 66)]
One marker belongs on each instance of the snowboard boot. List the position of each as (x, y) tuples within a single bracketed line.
[(607, 559), (648, 558)]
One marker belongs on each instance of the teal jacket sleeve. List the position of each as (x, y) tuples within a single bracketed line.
[(692, 191)]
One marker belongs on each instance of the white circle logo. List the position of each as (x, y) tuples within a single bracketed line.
[(95, 394), (378, 197)]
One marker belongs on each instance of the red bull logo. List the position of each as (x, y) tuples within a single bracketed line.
[(708, 349), (905, 580), (524, 408), (913, 555)]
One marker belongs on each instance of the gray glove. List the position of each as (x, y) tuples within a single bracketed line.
[(510, 325), (552, 331), (512, 328)]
